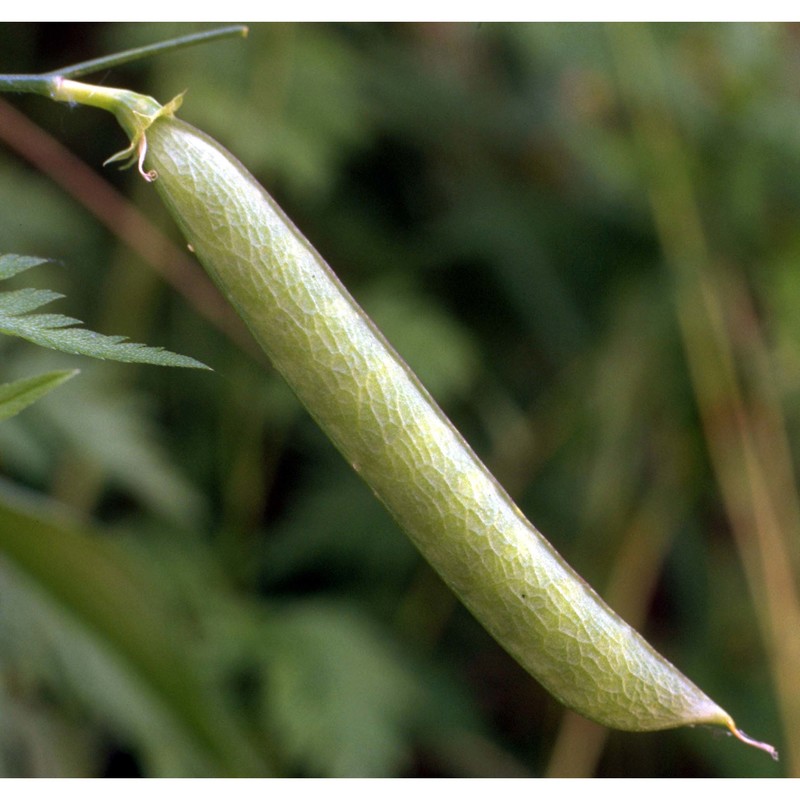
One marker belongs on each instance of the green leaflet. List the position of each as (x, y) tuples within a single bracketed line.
[(16, 396), (59, 332)]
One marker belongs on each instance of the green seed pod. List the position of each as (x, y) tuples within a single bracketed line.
[(394, 435)]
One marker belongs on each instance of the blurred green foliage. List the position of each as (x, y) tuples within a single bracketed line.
[(493, 195)]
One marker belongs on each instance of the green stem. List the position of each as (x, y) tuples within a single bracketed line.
[(44, 82), (136, 53), (134, 112)]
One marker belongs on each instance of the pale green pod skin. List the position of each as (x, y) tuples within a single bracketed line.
[(394, 435)]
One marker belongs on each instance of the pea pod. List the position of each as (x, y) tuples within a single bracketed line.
[(393, 434), (391, 431)]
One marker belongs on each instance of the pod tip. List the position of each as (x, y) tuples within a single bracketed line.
[(743, 737)]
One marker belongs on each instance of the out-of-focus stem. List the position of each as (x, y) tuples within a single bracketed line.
[(752, 484)]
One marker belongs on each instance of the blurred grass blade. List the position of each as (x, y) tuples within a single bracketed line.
[(763, 522), (18, 395), (87, 578)]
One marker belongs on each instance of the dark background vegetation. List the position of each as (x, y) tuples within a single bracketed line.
[(586, 241)]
